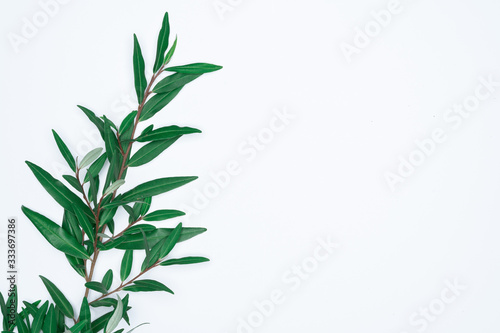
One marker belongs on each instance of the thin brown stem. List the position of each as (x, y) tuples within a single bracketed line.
[(122, 170)]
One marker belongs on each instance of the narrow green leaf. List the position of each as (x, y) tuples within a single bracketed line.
[(184, 261), (197, 68), (79, 326), (87, 226), (156, 187), (85, 313), (64, 151), (93, 189), (170, 52), (96, 167), (77, 265), (73, 182), (70, 224), (174, 81), (150, 151), (139, 228), (153, 256), (12, 303), (55, 235), (148, 285), (171, 240), (94, 119), (99, 323), (107, 216), (156, 103), (38, 319), (126, 266), (146, 246), (137, 327), (107, 280), (127, 125), (105, 302), (59, 299), (167, 132), (135, 241), (163, 214), (64, 196), (140, 77), (50, 322), (21, 325), (97, 286), (162, 45), (144, 206), (110, 140), (115, 317), (90, 157), (5, 315), (113, 187)]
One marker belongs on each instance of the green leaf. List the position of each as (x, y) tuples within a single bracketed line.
[(153, 256), (97, 286), (144, 206), (163, 214), (107, 215), (70, 224), (90, 157), (139, 228), (127, 124), (39, 318), (93, 189), (77, 265), (135, 241), (113, 187), (104, 302), (50, 322), (64, 151), (167, 132), (139, 76), (126, 266), (96, 167), (146, 247), (115, 317), (11, 303), (162, 43), (156, 103), (94, 119), (156, 187), (171, 240), (170, 52), (197, 68), (110, 140), (5, 315), (150, 151), (55, 235), (111, 244), (85, 313), (79, 326), (61, 301), (64, 196), (147, 285), (174, 81), (184, 261), (87, 226), (99, 323), (21, 325), (107, 280), (73, 182)]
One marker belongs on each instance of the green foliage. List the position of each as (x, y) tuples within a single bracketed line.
[(89, 214)]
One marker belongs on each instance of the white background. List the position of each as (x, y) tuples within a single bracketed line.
[(323, 176)]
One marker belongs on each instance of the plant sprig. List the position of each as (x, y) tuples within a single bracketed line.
[(91, 202)]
